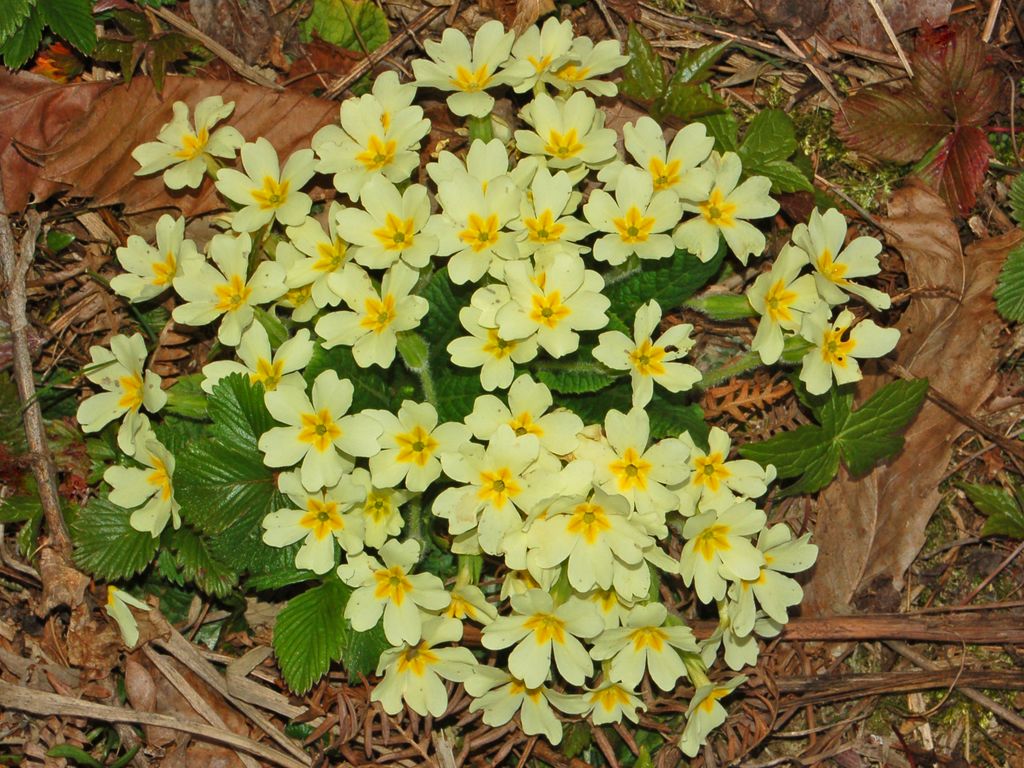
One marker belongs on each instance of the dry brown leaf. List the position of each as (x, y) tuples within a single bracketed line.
[(870, 530), (104, 122), (856, 21)]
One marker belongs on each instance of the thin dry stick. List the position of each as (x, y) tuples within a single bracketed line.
[(48, 704), (232, 60), (15, 266), (994, 707), (990, 20), (891, 34), (806, 61), (999, 569)]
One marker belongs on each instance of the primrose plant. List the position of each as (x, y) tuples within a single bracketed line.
[(463, 395)]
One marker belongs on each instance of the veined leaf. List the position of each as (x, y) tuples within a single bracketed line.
[(349, 24), (19, 46), (644, 74), (12, 14), (198, 564), (107, 546), (1005, 516), (770, 136), (72, 20), (1017, 199), (670, 281), (1010, 289), (573, 379)]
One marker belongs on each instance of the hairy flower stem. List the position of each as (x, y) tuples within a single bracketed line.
[(480, 128)]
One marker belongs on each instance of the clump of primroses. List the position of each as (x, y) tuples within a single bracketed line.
[(568, 520)]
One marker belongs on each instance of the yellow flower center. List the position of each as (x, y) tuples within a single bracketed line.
[(272, 194), (709, 703), (546, 627), (548, 310), (378, 153), (330, 256), (544, 228), (833, 349), (648, 637), (778, 301), (193, 144), (322, 518), (163, 271), (563, 145), (572, 74), (379, 313), (460, 608), (480, 233), (712, 541), (498, 487), (646, 359), (665, 175), (392, 584), (416, 660), (378, 506), (710, 471), (589, 521), (523, 424), (318, 429), (296, 297), (610, 698), (160, 478), (131, 389), (634, 227), (396, 234), (267, 373), (232, 295), (471, 82), (717, 211), (541, 64), (498, 347), (830, 269), (631, 470), (416, 446)]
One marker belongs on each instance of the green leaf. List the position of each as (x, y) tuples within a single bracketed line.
[(670, 419), (72, 20), (1005, 517), (69, 752), (687, 102), (20, 508), (644, 75), (310, 634), (1017, 199), (12, 14), (1010, 288), (694, 66), (238, 413), (770, 136), (19, 46), (723, 128), (198, 564), (457, 391), (106, 545), (723, 306), (574, 378), (165, 50), (370, 387), (57, 240), (860, 438), (12, 430), (348, 24), (186, 398), (784, 176), (670, 281), (277, 333)]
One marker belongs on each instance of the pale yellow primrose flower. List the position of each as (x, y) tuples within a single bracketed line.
[(371, 327), (391, 227), (676, 169), (546, 225), (713, 482), (782, 297), (724, 210), (223, 291), (645, 643), (484, 162), (740, 650), (540, 630), (501, 696), (717, 549), (567, 133), (378, 136), (469, 602), (626, 465), (390, 588), (150, 270), (589, 61), (775, 593), (316, 431), (611, 702), (314, 255), (266, 191), (453, 66), (183, 150), (299, 299), (489, 350), (128, 389), (263, 366), (411, 445), (117, 607), (837, 347), (636, 219), (528, 412), (650, 361), (381, 507), (321, 518), (822, 239), (413, 672), (538, 53), (551, 301), (149, 488), (705, 714), (611, 605)]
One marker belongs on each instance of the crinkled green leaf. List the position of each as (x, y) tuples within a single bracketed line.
[(1017, 199), (1005, 516), (72, 20), (669, 419), (457, 391), (106, 545), (873, 432), (198, 564), (19, 46), (238, 413), (1010, 288), (350, 24), (573, 379), (784, 176), (687, 102), (770, 136), (20, 508), (669, 281), (12, 14), (694, 65), (371, 387), (723, 128), (644, 74)]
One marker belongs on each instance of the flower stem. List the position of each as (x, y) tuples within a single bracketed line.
[(695, 669), (480, 128)]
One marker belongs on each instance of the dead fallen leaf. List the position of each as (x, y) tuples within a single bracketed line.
[(517, 15), (856, 21), (870, 530), (92, 645), (80, 136), (62, 584)]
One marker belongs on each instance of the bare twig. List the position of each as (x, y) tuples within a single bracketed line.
[(990, 20), (891, 34), (232, 60), (15, 266)]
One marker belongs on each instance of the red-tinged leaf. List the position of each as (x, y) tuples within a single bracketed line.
[(80, 136), (896, 126), (952, 72), (958, 169)]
